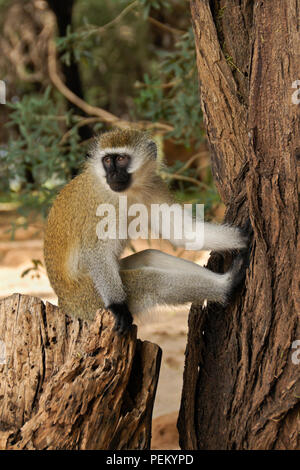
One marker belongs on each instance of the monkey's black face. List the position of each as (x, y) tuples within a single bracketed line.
[(116, 166)]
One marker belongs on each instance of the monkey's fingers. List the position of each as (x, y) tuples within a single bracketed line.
[(238, 273), (247, 231)]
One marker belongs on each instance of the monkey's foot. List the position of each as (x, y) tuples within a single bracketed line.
[(123, 317)]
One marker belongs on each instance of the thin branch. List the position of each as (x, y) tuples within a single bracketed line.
[(165, 26), (184, 178), (165, 85), (56, 80), (85, 142), (117, 19), (161, 86), (191, 161), (105, 116), (157, 23), (82, 122)]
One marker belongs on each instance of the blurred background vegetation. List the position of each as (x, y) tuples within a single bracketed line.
[(76, 67)]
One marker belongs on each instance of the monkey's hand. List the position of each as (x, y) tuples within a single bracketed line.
[(123, 317)]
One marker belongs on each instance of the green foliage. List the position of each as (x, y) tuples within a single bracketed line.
[(122, 70), (155, 4), (171, 92), (197, 192), (34, 269), (109, 41), (76, 46), (4, 4), (38, 161)]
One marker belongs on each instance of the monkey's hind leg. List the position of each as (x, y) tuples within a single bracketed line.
[(153, 278)]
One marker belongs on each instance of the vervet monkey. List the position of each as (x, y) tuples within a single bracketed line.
[(87, 273)]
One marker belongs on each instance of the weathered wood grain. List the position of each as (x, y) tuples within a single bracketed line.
[(68, 384)]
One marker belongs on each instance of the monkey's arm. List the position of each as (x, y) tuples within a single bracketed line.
[(212, 237), (104, 272), (197, 235)]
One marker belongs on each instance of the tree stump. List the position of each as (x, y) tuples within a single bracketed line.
[(70, 384)]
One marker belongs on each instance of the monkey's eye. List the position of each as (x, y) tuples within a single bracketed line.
[(107, 161), (122, 160)]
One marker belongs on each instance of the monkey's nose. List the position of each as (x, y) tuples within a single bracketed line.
[(120, 178)]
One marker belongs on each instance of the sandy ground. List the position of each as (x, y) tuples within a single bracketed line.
[(167, 328)]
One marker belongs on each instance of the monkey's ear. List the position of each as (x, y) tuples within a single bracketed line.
[(152, 148)]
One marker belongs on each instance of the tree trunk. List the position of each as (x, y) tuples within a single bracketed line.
[(68, 384), (63, 11), (241, 381)]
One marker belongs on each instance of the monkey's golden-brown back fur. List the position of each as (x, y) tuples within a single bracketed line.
[(71, 225)]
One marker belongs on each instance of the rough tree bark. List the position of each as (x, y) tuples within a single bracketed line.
[(241, 387), (68, 384)]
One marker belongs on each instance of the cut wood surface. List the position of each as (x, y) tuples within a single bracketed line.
[(68, 384)]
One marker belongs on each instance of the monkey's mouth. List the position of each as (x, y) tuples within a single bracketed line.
[(118, 181), (119, 186)]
